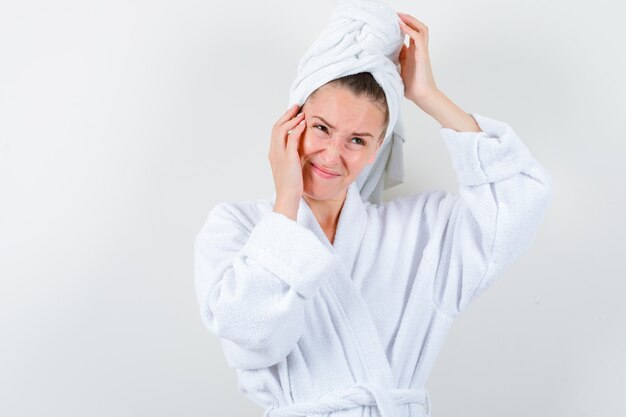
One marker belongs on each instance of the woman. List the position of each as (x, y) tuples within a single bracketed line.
[(329, 305)]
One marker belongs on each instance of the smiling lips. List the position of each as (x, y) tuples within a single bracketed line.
[(322, 173)]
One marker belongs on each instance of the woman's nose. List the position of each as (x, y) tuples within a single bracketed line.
[(332, 152)]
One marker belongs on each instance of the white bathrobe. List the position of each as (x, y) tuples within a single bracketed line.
[(353, 328)]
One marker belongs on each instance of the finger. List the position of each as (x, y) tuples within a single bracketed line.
[(280, 131), (403, 21), (413, 22), (289, 124), (296, 127), (294, 137), (413, 34), (288, 114), (404, 52)]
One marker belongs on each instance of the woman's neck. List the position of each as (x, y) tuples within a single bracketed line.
[(327, 211)]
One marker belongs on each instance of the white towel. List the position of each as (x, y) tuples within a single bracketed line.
[(362, 36)]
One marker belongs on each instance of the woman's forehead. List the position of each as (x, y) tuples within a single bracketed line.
[(344, 111)]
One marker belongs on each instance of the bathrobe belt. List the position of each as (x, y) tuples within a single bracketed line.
[(357, 395)]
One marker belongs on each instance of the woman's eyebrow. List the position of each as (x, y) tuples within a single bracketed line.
[(353, 133)]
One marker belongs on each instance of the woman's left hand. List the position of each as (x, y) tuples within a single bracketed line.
[(415, 68)]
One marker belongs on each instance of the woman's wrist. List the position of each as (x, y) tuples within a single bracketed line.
[(288, 208), (447, 113)]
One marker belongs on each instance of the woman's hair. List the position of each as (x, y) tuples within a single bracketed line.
[(364, 84)]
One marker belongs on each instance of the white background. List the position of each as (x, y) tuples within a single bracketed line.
[(122, 123)]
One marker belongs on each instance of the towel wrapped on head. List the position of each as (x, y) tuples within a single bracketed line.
[(362, 36)]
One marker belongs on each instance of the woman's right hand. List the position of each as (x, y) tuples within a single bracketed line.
[(285, 161)]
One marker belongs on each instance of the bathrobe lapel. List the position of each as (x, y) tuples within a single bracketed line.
[(348, 238), (350, 227)]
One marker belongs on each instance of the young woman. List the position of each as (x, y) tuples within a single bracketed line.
[(328, 305)]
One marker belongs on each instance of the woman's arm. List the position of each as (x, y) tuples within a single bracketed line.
[(503, 191), (503, 196), (419, 81), (253, 284), (447, 113)]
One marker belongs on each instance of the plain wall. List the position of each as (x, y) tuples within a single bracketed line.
[(123, 123)]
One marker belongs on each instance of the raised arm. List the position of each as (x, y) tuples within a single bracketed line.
[(252, 284), (503, 195)]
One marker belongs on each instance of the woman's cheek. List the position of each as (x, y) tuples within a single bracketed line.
[(307, 139)]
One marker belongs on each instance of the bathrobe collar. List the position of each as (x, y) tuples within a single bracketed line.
[(348, 239), (350, 226)]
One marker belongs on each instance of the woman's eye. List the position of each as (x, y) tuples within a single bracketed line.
[(324, 127)]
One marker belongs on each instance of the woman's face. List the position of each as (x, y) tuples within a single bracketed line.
[(341, 137)]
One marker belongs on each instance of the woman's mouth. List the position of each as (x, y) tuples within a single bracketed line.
[(323, 173)]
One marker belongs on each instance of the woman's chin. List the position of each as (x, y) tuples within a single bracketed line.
[(318, 191), (315, 192)]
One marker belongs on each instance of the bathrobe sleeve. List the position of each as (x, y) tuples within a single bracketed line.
[(503, 195), (252, 283)]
